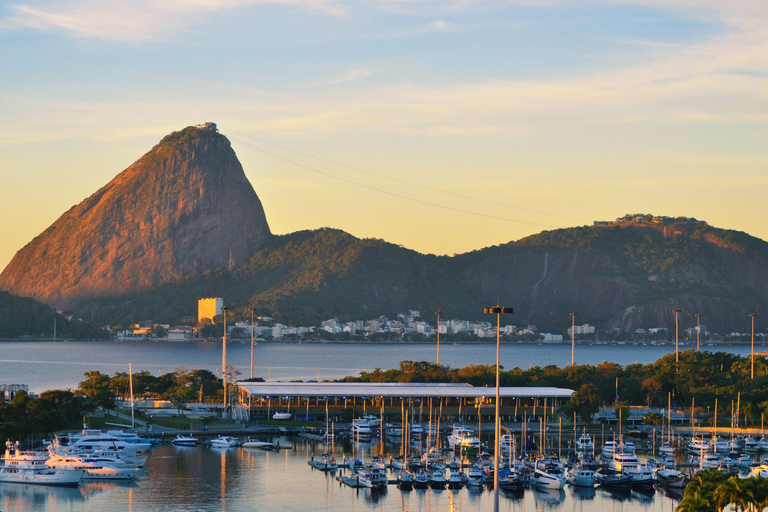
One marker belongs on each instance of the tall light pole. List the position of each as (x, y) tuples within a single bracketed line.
[(498, 310), (224, 360), (252, 310), (676, 338), (698, 330), (438, 312), (573, 338), (753, 345)]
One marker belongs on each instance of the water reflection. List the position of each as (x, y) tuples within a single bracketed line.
[(214, 480), (583, 493), (548, 497), (39, 497)]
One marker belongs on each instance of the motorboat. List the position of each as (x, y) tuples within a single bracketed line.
[(463, 437), (627, 447), (750, 444), (628, 464), (181, 440), (760, 471), (282, 415), (225, 442), (131, 437), (613, 479), (373, 478), (506, 444), (744, 461), (25, 467), (255, 444), (405, 480), (361, 430), (90, 440), (609, 448), (437, 479), (512, 481), (671, 478), (455, 480), (475, 476), (727, 464), (95, 467), (667, 449), (550, 476), (421, 479), (372, 420), (581, 476), (698, 445), (584, 443), (720, 446), (762, 444)]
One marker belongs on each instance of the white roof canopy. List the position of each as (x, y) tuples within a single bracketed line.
[(396, 389)]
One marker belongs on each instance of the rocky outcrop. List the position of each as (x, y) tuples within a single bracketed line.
[(183, 208)]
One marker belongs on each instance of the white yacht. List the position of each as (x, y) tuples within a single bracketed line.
[(375, 478), (255, 444), (93, 439), (30, 468), (548, 476), (475, 477), (225, 442), (584, 443), (609, 448), (361, 430), (181, 440), (463, 437), (372, 420), (281, 415), (96, 467), (698, 445), (628, 464)]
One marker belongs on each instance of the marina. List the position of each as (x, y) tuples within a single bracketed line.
[(239, 479)]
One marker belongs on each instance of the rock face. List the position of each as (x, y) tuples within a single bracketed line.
[(183, 208)]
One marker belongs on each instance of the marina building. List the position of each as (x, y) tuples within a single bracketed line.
[(311, 399)]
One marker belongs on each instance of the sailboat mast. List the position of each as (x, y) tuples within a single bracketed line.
[(130, 384)]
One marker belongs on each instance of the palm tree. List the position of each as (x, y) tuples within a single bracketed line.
[(695, 502), (727, 493)]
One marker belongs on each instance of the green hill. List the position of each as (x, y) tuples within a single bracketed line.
[(622, 275), (21, 317)]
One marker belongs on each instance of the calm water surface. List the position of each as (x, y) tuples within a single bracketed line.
[(60, 365), (208, 479)]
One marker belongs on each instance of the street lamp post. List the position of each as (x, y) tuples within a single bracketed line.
[(676, 337), (224, 360), (573, 338), (252, 310), (698, 330), (438, 312), (753, 345), (497, 310)]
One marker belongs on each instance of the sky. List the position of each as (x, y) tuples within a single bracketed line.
[(442, 126)]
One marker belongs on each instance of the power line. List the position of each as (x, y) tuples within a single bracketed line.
[(387, 192), (384, 176)]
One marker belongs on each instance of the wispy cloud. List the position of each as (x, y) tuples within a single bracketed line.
[(348, 77), (132, 20)]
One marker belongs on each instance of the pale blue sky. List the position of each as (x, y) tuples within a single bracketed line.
[(523, 115)]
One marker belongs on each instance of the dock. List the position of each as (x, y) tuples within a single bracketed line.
[(353, 482)]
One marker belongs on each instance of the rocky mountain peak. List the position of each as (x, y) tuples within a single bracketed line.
[(186, 206)]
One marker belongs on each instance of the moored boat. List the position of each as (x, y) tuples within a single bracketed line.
[(25, 467), (181, 440)]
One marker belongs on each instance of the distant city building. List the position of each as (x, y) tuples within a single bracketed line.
[(547, 337), (583, 329), (9, 390), (209, 308)]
